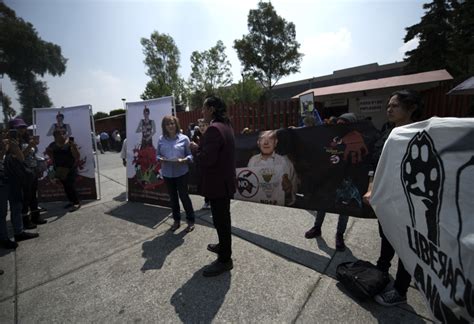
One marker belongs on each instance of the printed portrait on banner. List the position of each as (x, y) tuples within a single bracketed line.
[(423, 196), (75, 122), (317, 168), (145, 182)]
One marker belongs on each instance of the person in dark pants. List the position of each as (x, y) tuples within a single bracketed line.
[(215, 156), (403, 108), (12, 178), (65, 156), (174, 153)]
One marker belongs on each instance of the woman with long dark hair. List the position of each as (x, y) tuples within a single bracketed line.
[(174, 154), (404, 107)]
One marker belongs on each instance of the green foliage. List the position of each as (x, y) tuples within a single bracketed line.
[(32, 94), (100, 114), (446, 39), (116, 112), (210, 70), (247, 91), (7, 109), (462, 39), (162, 61), (270, 50), (24, 56)]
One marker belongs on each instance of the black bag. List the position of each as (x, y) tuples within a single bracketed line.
[(361, 278)]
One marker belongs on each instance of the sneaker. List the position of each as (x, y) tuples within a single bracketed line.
[(8, 244), (313, 232), (340, 246), (23, 236), (42, 210), (206, 206), (68, 206), (217, 267), (390, 298)]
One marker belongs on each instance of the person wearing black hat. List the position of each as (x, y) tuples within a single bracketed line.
[(28, 145), (12, 175)]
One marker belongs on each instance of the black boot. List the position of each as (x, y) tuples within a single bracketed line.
[(27, 223), (37, 219)]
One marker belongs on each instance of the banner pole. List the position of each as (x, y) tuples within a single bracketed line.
[(91, 118)]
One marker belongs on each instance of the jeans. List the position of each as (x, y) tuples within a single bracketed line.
[(15, 212), (341, 223), (387, 252), (178, 189), (220, 209)]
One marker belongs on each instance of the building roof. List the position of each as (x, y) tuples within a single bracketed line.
[(465, 88), (390, 82)]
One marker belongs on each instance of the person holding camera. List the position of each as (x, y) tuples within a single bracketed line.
[(65, 155), (28, 145), (12, 179)]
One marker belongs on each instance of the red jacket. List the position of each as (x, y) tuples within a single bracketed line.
[(216, 160)]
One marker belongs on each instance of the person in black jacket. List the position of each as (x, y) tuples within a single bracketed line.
[(12, 178)]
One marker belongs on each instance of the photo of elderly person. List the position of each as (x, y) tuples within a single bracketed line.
[(147, 127), (174, 154), (267, 142), (60, 125)]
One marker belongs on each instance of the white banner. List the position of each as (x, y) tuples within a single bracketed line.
[(143, 131), (76, 121), (424, 198)]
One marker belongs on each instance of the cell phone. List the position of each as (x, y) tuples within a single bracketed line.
[(71, 139), (12, 133)]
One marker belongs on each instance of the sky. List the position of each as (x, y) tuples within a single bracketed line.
[(101, 39)]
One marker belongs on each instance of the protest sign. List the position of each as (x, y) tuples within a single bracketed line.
[(423, 196)]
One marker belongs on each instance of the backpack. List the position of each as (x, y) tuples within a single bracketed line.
[(361, 278)]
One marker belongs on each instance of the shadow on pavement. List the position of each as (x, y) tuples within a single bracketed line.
[(141, 214), (309, 259), (157, 250), (200, 298)]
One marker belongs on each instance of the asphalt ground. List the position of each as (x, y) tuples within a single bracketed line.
[(116, 261)]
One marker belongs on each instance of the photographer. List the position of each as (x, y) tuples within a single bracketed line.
[(12, 179), (28, 145)]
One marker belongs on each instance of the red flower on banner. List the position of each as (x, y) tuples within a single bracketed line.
[(147, 167)]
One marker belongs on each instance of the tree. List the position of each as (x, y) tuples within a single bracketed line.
[(270, 50), (116, 112), (24, 56), (210, 71), (462, 39), (7, 110), (247, 91), (100, 114), (433, 32), (162, 61)]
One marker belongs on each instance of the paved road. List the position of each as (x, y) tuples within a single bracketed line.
[(114, 261)]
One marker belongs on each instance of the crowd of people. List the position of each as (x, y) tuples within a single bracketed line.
[(20, 169), (211, 146)]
